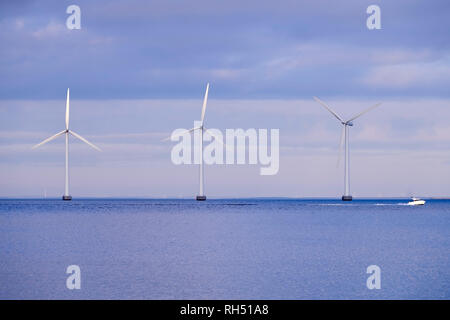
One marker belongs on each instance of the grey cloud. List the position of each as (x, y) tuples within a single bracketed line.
[(251, 49)]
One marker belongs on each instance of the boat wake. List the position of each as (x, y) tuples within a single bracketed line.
[(391, 204)]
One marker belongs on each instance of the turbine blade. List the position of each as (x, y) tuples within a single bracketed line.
[(329, 109), (187, 131), (205, 99), (48, 139), (67, 110), (341, 145), (365, 111), (84, 140)]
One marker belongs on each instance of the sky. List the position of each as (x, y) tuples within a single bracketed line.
[(137, 70)]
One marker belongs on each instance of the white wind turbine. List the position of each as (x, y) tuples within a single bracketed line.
[(201, 195), (66, 195), (345, 137)]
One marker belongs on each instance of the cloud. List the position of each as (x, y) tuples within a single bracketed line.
[(51, 30), (409, 75), (260, 49)]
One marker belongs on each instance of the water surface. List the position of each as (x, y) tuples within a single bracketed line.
[(224, 249)]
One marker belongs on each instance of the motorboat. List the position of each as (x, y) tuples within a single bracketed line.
[(416, 202)]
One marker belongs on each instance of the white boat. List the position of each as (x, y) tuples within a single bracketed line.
[(416, 202)]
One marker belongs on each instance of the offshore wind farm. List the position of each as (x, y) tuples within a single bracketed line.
[(246, 203)]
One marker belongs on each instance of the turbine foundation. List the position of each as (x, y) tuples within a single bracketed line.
[(67, 198), (347, 198), (201, 198)]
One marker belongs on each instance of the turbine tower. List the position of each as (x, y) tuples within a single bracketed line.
[(345, 139), (66, 195)]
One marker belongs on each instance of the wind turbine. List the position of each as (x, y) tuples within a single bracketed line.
[(201, 194), (66, 195), (345, 137)]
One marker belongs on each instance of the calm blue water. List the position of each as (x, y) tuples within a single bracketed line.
[(224, 249)]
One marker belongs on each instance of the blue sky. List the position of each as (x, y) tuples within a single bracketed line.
[(137, 70)]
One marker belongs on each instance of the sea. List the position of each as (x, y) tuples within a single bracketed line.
[(224, 249)]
